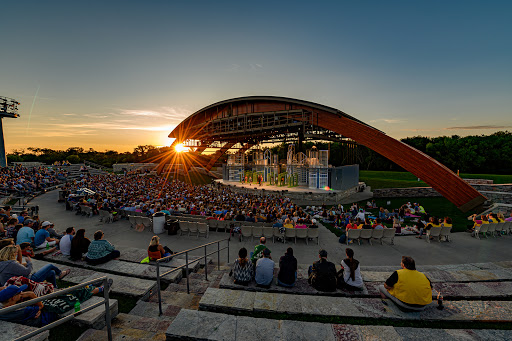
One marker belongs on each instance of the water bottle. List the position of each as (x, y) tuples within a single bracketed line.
[(47, 246), (77, 306)]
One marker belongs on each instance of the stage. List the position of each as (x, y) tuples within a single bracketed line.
[(303, 195)]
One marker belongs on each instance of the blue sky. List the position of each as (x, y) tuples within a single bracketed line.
[(116, 74)]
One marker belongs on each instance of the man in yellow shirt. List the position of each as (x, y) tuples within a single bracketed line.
[(408, 288)]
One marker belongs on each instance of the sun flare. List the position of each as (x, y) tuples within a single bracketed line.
[(179, 148)]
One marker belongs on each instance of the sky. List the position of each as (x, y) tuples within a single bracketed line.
[(111, 75)]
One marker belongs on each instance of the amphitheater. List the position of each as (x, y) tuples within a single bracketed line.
[(473, 276)]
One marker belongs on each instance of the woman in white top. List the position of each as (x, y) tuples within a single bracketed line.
[(349, 277)]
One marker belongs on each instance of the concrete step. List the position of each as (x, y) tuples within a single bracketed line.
[(11, 331), (201, 325), (130, 327), (123, 285), (231, 301), (118, 267), (94, 318)]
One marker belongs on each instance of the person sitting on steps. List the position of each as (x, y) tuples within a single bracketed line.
[(408, 288), (100, 250), (156, 250)]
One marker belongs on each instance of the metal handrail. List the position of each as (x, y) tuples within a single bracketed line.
[(60, 321), (159, 276)]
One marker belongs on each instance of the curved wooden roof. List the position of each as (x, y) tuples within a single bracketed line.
[(421, 165)]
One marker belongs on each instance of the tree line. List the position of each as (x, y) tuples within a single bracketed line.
[(491, 154)]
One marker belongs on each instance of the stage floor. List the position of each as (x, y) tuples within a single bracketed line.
[(298, 189)]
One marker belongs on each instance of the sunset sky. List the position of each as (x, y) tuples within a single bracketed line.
[(117, 74)]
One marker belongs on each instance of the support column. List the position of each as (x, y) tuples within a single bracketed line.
[(3, 157)]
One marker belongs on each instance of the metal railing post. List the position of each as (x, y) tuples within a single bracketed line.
[(228, 253), (106, 289), (205, 265), (158, 288), (218, 255), (186, 272)]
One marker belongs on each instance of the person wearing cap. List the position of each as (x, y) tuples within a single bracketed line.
[(14, 294), (26, 234), (264, 270), (322, 274), (42, 237), (408, 288)]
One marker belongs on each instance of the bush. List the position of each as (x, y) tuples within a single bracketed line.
[(73, 158)]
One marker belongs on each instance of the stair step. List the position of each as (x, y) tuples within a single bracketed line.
[(94, 318), (200, 325), (122, 285), (11, 331), (231, 301)]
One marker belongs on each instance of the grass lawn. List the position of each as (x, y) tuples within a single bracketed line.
[(387, 179)]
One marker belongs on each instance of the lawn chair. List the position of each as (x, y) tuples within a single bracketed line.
[(147, 223), (434, 232), (268, 232), (366, 234), (202, 228), (276, 233), (445, 232), (313, 233), (483, 230), (184, 227), (378, 234), (492, 229), (246, 231), (290, 233), (132, 221), (301, 233), (390, 233), (193, 228), (212, 223), (354, 235), (257, 231)]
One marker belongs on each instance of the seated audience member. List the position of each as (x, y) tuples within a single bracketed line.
[(11, 229), (447, 222), (264, 270), (509, 218), (378, 224), (100, 250), (11, 266), (287, 269), (367, 224), (156, 250), (30, 315), (51, 230), (79, 245), (258, 249), (349, 277), (27, 250), (65, 242), (26, 234), (408, 288), (42, 238), (322, 274), (243, 269)]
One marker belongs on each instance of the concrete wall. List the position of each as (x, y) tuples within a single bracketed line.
[(344, 177)]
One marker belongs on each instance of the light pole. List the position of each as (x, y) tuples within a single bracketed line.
[(8, 109)]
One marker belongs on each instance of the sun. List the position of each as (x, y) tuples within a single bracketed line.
[(180, 147)]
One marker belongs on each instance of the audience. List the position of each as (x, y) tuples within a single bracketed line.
[(157, 251), (322, 274), (258, 249), (408, 288), (42, 238), (65, 242), (100, 250), (243, 269), (11, 266), (349, 277), (79, 245), (287, 269), (264, 270)]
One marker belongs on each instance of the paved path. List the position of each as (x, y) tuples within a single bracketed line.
[(463, 249)]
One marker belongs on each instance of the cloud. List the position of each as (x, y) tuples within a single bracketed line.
[(388, 120), (478, 127)]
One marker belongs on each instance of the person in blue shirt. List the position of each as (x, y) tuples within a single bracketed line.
[(26, 233), (42, 238)]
